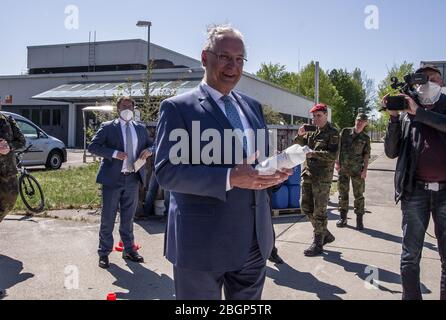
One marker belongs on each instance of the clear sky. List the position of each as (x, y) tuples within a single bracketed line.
[(331, 31)]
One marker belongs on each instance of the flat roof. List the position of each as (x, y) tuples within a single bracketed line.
[(71, 92)]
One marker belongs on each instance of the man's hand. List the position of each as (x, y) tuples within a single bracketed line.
[(301, 132), (145, 154), (4, 147), (392, 113), (243, 176), (413, 106), (364, 174), (121, 155), (310, 155)]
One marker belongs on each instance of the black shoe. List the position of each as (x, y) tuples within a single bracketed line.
[(275, 258), (316, 247), (132, 256), (2, 293), (342, 223), (329, 238), (359, 223), (103, 262)]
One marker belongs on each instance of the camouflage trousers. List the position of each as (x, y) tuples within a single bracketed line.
[(358, 185), (315, 198), (9, 188)]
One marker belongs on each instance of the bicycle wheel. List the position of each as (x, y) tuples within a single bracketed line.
[(31, 193)]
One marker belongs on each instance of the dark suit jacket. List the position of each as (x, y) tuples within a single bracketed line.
[(107, 140), (209, 229)]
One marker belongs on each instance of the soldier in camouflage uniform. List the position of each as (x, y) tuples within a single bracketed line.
[(11, 138), (352, 164), (318, 175)]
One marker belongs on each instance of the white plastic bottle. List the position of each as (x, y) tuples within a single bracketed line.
[(289, 158)]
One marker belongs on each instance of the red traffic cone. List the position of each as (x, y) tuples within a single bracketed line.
[(120, 246), (111, 296)]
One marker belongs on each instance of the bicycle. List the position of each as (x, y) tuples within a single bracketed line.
[(29, 189)]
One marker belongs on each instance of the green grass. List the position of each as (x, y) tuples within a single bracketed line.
[(73, 188), (334, 188)]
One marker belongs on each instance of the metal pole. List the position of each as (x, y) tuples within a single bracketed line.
[(148, 46), (316, 83)]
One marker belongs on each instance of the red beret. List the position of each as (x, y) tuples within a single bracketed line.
[(319, 107)]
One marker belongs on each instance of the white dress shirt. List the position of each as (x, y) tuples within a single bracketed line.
[(134, 140), (217, 95)]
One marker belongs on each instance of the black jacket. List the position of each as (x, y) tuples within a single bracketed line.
[(397, 143)]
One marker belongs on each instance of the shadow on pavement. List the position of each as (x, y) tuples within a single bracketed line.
[(142, 283), (10, 273), (153, 225), (287, 276), (390, 237), (26, 218), (284, 219), (364, 272)]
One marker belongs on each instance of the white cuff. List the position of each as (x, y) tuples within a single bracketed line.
[(115, 154), (228, 180)]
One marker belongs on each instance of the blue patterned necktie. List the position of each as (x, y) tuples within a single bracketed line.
[(234, 118), (129, 147)]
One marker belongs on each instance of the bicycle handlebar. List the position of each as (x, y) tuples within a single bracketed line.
[(24, 150)]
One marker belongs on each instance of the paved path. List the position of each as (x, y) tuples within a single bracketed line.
[(40, 258)]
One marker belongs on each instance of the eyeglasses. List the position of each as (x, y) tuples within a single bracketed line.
[(226, 59)]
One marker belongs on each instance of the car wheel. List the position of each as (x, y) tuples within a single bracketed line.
[(54, 160)]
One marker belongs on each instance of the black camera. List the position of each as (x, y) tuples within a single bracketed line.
[(399, 103), (309, 128), (396, 103)]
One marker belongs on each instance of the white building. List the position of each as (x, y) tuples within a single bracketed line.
[(62, 79)]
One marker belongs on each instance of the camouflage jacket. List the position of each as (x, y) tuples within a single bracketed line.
[(354, 149), (325, 143), (10, 132)]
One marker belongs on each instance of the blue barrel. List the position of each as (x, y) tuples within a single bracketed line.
[(294, 180), (280, 198), (294, 196)]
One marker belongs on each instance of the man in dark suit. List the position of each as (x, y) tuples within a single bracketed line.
[(219, 232), (120, 143)]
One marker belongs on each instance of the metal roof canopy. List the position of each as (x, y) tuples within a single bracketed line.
[(74, 92), (103, 109), (106, 109)]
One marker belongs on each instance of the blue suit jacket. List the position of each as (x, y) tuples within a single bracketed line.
[(209, 229), (108, 139)]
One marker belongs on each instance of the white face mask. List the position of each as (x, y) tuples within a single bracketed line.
[(126, 115), (429, 93)]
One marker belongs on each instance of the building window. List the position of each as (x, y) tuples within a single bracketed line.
[(25, 113), (35, 116), (46, 117), (56, 117)]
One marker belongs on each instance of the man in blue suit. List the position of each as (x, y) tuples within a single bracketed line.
[(120, 143), (219, 232)]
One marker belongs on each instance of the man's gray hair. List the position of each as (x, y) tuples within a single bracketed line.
[(218, 32)]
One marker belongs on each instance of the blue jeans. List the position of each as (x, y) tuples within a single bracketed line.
[(151, 195), (416, 215)]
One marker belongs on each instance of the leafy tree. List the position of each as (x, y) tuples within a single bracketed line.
[(384, 87), (271, 116), (351, 87), (328, 93)]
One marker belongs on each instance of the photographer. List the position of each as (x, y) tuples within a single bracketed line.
[(417, 138)]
